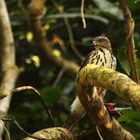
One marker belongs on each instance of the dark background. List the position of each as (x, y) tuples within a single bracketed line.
[(101, 17)]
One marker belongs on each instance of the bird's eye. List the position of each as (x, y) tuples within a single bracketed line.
[(101, 40)]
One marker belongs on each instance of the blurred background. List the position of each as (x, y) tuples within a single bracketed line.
[(64, 30)]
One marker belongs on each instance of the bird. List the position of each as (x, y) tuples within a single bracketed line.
[(101, 56)]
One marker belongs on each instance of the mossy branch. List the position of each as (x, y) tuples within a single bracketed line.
[(107, 78), (129, 28), (56, 133), (121, 84)]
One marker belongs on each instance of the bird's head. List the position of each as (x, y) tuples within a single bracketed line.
[(102, 42)]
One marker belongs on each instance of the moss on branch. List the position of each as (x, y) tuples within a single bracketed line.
[(55, 133), (119, 83)]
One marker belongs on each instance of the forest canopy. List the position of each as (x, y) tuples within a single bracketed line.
[(43, 43)]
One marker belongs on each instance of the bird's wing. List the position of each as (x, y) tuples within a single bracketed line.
[(87, 59)]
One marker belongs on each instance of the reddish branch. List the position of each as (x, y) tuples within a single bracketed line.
[(129, 27), (36, 11)]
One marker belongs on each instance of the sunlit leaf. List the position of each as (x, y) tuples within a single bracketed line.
[(29, 36), (28, 61), (56, 52), (46, 26), (33, 59), (36, 60)]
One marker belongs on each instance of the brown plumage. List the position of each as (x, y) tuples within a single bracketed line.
[(101, 56)]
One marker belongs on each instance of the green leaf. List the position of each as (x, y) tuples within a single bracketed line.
[(131, 121), (122, 57), (51, 94), (130, 114)]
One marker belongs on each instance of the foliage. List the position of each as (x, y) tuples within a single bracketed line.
[(131, 121), (101, 17)]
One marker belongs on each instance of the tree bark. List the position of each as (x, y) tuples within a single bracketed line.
[(107, 78), (56, 133), (121, 84), (8, 69), (36, 11), (131, 51)]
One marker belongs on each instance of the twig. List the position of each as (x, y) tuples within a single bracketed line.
[(23, 88), (23, 130), (59, 76), (7, 132), (71, 38), (11, 118), (78, 15), (54, 133), (82, 14), (129, 27), (86, 133), (16, 90), (23, 10), (43, 45), (70, 33)]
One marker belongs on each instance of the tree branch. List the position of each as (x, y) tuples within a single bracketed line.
[(68, 27), (8, 69), (122, 85), (57, 133), (129, 28), (7, 52), (107, 78), (82, 14), (40, 38)]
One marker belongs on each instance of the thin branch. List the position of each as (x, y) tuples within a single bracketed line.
[(23, 9), (77, 15), (129, 27), (87, 133), (11, 118), (42, 44), (68, 26), (7, 132), (24, 88), (82, 14), (71, 38), (23, 130), (54, 133), (58, 78)]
